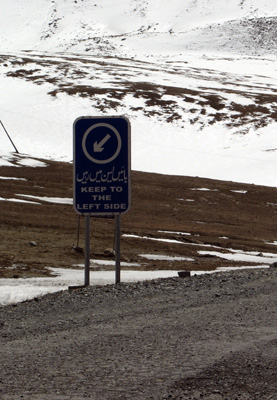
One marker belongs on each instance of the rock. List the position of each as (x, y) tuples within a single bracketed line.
[(184, 274), (78, 249), (109, 252), (32, 243), (273, 265)]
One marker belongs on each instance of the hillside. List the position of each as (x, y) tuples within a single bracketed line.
[(177, 223), (129, 27), (197, 81)]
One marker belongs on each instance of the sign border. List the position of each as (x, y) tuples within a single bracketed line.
[(109, 117)]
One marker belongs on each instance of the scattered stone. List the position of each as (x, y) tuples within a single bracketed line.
[(78, 249), (32, 243), (109, 252), (184, 274)]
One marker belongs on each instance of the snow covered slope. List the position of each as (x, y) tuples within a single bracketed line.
[(130, 26), (197, 79)]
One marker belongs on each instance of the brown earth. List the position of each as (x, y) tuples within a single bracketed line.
[(228, 215)]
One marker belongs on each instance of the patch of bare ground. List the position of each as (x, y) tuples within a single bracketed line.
[(38, 234), (203, 105)]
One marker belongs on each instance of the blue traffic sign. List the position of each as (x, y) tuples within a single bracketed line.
[(102, 165)]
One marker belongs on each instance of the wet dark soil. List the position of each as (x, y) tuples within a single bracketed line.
[(188, 215)]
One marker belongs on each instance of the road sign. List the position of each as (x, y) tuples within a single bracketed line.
[(102, 165)]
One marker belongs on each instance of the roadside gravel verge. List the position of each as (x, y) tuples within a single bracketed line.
[(205, 337)]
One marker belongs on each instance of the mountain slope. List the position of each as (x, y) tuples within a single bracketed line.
[(79, 25), (197, 81), (185, 223)]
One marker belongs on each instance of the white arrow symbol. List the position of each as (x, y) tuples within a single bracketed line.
[(98, 147)]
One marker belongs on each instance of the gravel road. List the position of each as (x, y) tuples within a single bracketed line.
[(211, 337)]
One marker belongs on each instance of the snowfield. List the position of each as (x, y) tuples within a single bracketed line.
[(197, 81), (186, 120)]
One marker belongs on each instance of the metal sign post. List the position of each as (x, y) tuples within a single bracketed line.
[(87, 249), (117, 249), (102, 173)]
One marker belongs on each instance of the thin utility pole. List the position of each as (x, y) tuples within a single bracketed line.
[(9, 137)]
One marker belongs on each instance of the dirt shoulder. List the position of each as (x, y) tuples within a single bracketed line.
[(210, 336), (170, 216)]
